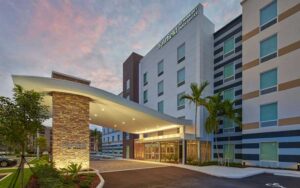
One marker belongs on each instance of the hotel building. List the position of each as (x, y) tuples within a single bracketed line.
[(271, 80), (252, 60)]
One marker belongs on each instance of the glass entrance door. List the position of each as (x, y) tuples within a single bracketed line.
[(152, 151)]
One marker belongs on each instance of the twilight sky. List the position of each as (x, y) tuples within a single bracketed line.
[(89, 38)]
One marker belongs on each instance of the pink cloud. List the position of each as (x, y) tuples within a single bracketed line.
[(69, 31)]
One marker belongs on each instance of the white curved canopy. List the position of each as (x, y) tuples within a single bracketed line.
[(106, 109)]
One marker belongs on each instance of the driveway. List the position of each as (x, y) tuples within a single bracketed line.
[(105, 166), (173, 177)]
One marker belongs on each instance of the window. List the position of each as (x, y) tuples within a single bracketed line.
[(145, 96), (268, 81), (160, 68), (268, 151), (228, 151), (180, 101), (268, 115), (145, 78), (128, 84), (113, 139), (228, 94), (160, 88), (228, 46), (118, 137), (180, 77), (228, 125), (181, 53), (160, 106), (228, 72), (268, 15), (268, 48)]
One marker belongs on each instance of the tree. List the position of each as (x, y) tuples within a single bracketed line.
[(196, 98), (218, 110), (20, 118)]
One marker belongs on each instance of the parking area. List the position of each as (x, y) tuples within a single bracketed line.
[(105, 166), (175, 177)]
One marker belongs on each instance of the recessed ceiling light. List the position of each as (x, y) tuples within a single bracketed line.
[(115, 125), (102, 109), (123, 122), (95, 115), (133, 119)]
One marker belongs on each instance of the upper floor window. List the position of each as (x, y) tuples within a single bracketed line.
[(228, 125), (181, 53), (118, 138), (160, 106), (160, 68), (228, 94), (228, 46), (113, 138), (145, 78), (145, 96), (268, 115), (180, 77), (268, 15), (268, 48), (127, 84), (160, 88), (228, 72), (180, 101), (268, 81)]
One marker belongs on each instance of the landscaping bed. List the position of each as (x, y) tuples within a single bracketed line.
[(215, 163)]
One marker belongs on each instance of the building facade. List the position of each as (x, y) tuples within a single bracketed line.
[(130, 92), (271, 80), (182, 57), (228, 82), (112, 142)]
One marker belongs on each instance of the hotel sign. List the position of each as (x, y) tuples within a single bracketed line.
[(179, 27), (74, 145)]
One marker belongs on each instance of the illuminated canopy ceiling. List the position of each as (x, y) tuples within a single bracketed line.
[(106, 109)]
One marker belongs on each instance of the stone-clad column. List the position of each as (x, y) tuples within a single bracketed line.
[(70, 129)]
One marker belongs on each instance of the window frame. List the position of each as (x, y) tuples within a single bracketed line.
[(182, 82), (276, 151), (230, 78), (260, 122), (145, 93), (158, 84), (145, 78), (179, 107), (179, 60), (232, 51), (161, 62), (260, 77), (233, 151), (160, 102), (261, 26), (228, 129), (233, 88), (263, 59)]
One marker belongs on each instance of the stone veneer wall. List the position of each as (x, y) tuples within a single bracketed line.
[(70, 129)]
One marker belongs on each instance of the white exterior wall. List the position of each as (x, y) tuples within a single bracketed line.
[(198, 38)]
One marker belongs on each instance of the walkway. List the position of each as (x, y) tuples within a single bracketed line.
[(105, 166)]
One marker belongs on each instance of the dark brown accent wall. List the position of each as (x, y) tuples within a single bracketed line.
[(131, 72), (62, 76)]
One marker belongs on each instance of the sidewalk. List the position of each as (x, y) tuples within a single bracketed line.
[(230, 172)]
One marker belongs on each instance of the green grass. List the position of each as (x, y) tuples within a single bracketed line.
[(5, 183)]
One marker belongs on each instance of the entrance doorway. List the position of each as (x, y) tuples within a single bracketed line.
[(152, 151)]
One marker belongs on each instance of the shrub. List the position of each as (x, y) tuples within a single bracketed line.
[(48, 176), (72, 170)]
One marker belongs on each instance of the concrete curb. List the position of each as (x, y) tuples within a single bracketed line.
[(102, 181), (7, 175)]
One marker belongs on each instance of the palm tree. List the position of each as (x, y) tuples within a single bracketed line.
[(231, 114), (196, 98), (214, 107), (96, 139)]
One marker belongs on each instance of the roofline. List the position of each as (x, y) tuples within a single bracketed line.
[(230, 22), (70, 76), (88, 91)]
